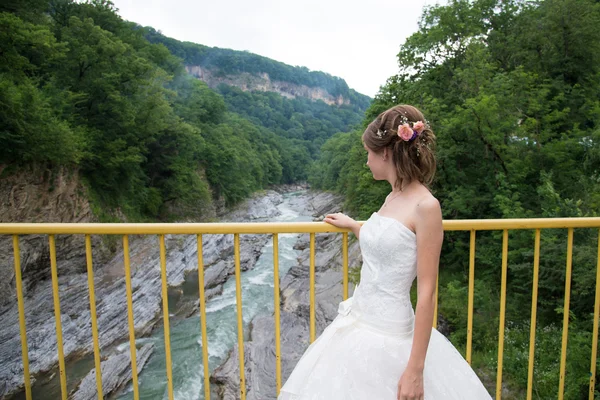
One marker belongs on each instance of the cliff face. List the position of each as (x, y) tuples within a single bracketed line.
[(263, 83), (38, 194)]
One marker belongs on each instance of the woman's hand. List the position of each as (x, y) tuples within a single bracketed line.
[(410, 386), (343, 221), (340, 220)]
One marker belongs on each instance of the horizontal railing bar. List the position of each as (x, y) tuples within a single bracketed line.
[(173, 228), (515, 223), (274, 227)]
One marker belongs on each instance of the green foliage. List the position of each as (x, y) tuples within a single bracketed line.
[(342, 167), (28, 10), (29, 128), (300, 118), (196, 103), (80, 86), (547, 363), (511, 91), (238, 161)]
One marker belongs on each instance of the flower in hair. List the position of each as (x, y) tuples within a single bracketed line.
[(405, 132), (408, 131), (419, 127)]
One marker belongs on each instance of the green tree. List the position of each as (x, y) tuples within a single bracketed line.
[(511, 91)]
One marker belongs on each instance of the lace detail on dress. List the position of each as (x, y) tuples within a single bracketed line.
[(388, 271)]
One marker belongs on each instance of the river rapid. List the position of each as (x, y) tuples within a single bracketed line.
[(186, 349)]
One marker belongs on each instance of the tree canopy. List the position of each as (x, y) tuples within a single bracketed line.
[(80, 86), (512, 92)]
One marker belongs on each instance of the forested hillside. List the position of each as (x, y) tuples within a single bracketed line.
[(81, 87), (227, 61), (300, 119), (512, 91)]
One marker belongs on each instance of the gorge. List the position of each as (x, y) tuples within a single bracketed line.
[(183, 294)]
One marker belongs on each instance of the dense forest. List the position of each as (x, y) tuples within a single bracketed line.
[(81, 87), (298, 119), (512, 91)]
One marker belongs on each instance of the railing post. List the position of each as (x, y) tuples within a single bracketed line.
[(502, 314), (21, 306), (534, 295), (202, 296), (130, 318), (165, 306), (595, 328), (59, 339), (435, 308), (240, 320), (90, 275), (312, 287), (345, 265), (277, 311), (563, 351), (471, 295)]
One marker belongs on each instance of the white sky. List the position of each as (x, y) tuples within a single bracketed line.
[(357, 40)]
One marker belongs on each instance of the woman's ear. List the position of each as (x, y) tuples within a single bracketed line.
[(385, 154)]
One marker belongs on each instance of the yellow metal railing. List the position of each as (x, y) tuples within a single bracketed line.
[(312, 228)]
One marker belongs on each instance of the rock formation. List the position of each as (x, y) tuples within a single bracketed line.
[(111, 294), (263, 83)]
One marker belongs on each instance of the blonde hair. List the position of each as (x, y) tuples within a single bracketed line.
[(415, 159)]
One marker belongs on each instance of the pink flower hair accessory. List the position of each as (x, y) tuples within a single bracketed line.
[(419, 127), (408, 131), (405, 132)]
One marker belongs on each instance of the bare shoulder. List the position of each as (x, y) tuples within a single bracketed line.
[(428, 205), (428, 213)]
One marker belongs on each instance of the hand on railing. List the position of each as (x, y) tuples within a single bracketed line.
[(343, 221)]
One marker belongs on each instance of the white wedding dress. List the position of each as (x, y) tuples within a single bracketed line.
[(364, 351)]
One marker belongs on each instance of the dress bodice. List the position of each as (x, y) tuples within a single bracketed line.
[(389, 251)]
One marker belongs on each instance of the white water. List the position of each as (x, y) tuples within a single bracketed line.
[(221, 319)]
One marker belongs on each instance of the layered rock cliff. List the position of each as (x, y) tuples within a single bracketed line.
[(262, 82)]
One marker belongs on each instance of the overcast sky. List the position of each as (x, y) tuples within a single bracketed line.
[(357, 40)]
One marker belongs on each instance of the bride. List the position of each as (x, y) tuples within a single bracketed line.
[(378, 347)]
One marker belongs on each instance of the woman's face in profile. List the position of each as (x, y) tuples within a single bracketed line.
[(376, 163)]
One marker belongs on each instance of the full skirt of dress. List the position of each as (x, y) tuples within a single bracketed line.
[(353, 360)]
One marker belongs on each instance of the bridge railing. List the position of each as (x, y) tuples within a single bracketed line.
[(312, 228)]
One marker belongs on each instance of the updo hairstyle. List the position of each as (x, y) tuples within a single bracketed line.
[(414, 159)]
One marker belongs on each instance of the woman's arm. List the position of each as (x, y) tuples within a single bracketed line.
[(430, 234)]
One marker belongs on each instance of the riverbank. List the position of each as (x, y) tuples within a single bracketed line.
[(111, 298)]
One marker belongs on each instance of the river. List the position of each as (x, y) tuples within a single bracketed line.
[(221, 320), (186, 349)]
